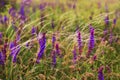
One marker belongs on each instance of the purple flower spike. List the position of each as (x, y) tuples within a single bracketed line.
[(22, 12), (79, 42), (57, 49), (114, 21), (91, 41), (53, 58), (16, 51), (42, 6), (11, 45), (91, 44), (3, 53), (53, 40), (100, 74), (33, 31), (12, 12), (0, 35), (5, 19), (106, 20), (74, 55), (1, 59), (42, 43)]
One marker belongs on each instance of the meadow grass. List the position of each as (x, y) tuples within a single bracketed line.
[(68, 20)]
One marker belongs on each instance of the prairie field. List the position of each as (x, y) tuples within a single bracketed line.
[(59, 39)]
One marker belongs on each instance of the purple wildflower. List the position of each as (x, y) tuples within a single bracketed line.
[(22, 12), (74, 55), (0, 35), (42, 6), (5, 19), (91, 44), (79, 42), (1, 59), (12, 46), (53, 58), (57, 49), (114, 21), (106, 20), (91, 41), (42, 43), (12, 12), (33, 31), (94, 57), (16, 51), (100, 74), (3, 53), (53, 40)]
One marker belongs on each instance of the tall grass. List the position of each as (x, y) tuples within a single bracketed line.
[(66, 57)]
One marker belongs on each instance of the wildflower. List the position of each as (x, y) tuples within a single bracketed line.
[(33, 31), (94, 57), (114, 21), (53, 58), (22, 13), (100, 74), (42, 6), (106, 20), (79, 42), (12, 12), (42, 43), (57, 49), (91, 42), (74, 55), (0, 35), (1, 59), (3, 55), (16, 51), (5, 19)]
